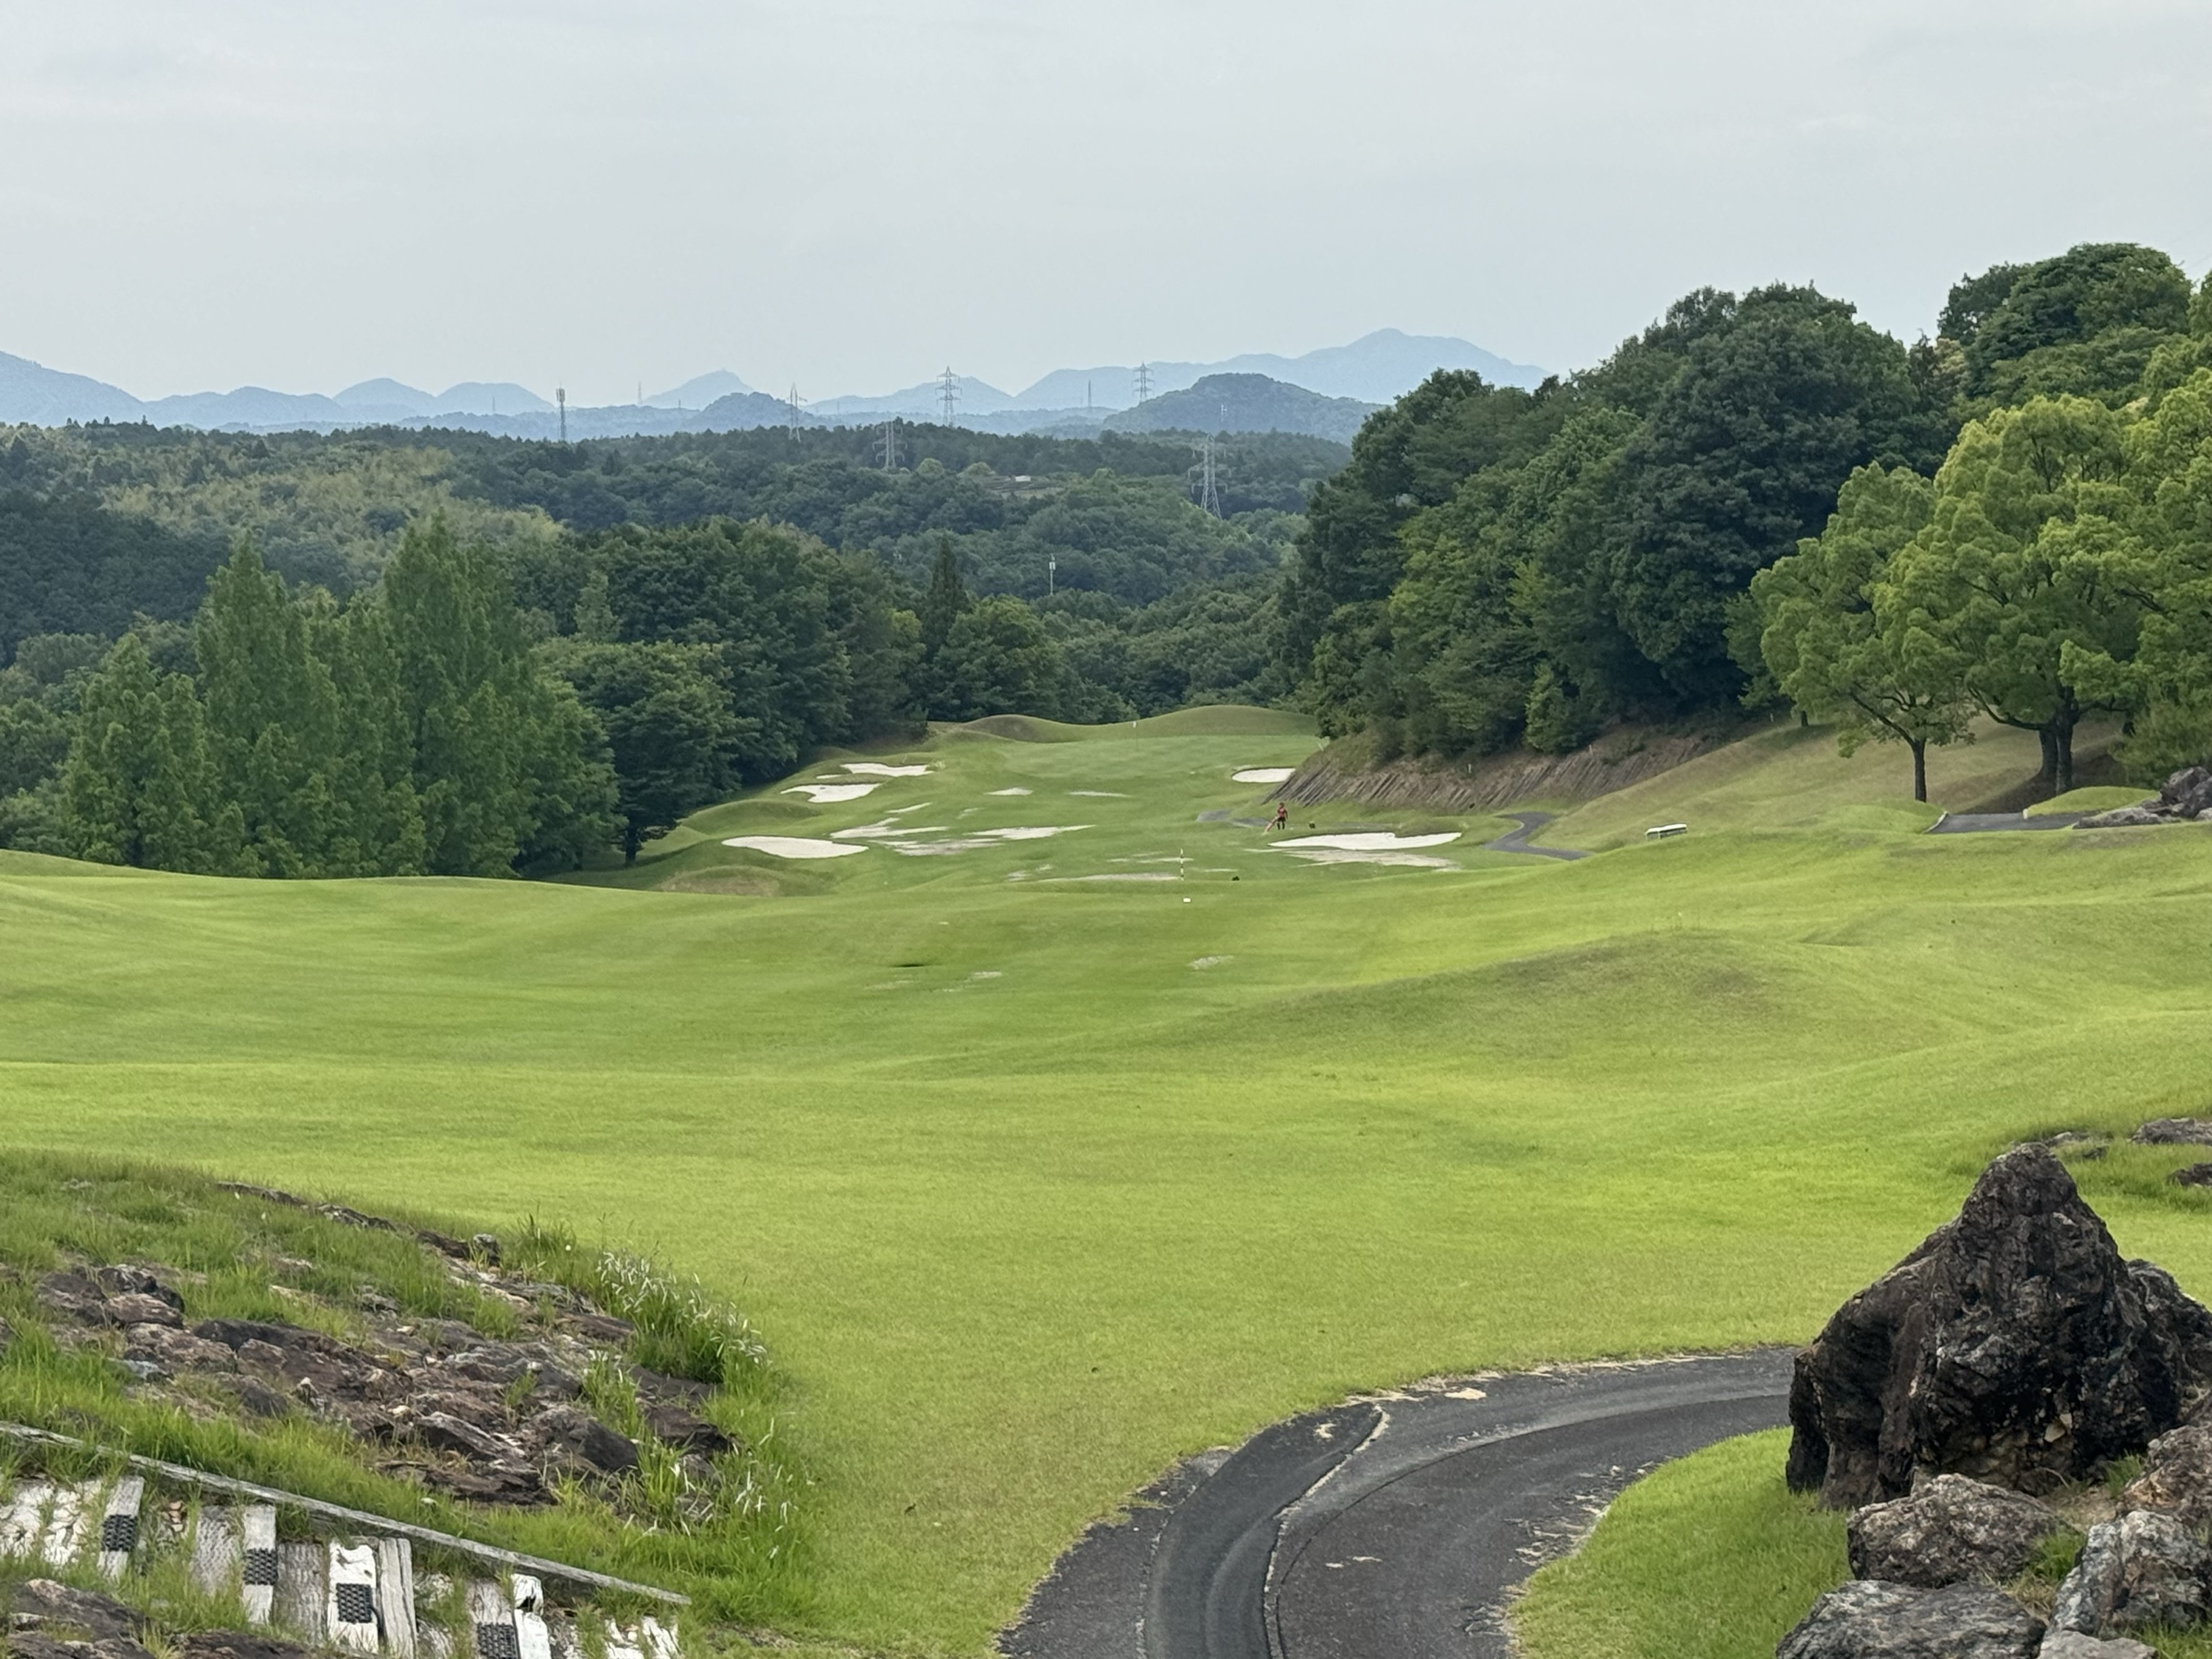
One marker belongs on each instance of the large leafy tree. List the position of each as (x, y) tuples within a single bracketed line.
[(2023, 568), (1742, 459), (669, 726), (2085, 323), (1836, 648)]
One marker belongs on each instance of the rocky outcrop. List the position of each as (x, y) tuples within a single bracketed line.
[(2072, 1644), (2176, 1477), (2013, 1345), (2174, 1132), (1869, 1619), (1949, 1531), (2143, 1568), (2186, 795)]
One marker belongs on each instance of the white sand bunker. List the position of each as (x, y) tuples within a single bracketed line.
[(1203, 963), (1129, 875), (1371, 841), (1010, 791), (981, 839), (877, 769), (1263, 775), (794, 847), (1342, 855), (822, 793), (1100, 795)]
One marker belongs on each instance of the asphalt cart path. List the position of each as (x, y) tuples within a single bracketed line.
[(1397, 1527)]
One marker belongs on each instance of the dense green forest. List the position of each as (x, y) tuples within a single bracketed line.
[(1498, 566), (668, 619)]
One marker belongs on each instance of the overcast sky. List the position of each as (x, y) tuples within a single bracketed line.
[(199, 194)]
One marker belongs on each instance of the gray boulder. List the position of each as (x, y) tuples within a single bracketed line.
[(2176, 1477), (2124, 818), (2013, 1345), (2072, 1644), (1869, 1619), (2174, 1132), (2187, 793), (2192, 1175), (1949, 1530), (2143, 1568)]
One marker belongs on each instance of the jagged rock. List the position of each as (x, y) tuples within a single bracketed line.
[(2188, 791), (2174, 1132), (587, 1439), (1869, 1619), (35, 1644), (2176, 1476), (41, 1604), (176, 1350), (2124, 818), (2192, 1175), (2143, 1568), (136, 1308), (73, 1296), (2013, 1345), (1951, 1529), (2072, 1644), (446, 1432), (679, 1427), (137, 1281)]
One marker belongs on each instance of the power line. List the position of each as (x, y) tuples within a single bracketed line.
[(948, 393)]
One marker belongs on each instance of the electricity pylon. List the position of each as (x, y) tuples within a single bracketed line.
[(948, 393)]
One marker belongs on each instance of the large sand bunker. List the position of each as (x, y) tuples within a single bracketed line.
[(877, 769), (1263, 775), (1371, 841), (794, 847), (823, 793), (980, 839)]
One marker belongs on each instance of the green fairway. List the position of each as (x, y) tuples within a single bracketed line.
[(1041, 1161)]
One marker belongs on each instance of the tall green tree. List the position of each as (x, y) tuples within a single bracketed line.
[(669, 725), (1836, 648), (139, 788), (946, 600), (2023, 568)]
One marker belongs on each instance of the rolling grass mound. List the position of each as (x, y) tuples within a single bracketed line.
[(1047, 1161)]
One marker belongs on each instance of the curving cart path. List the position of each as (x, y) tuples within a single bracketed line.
[(1516, 841), (1391, 1527)]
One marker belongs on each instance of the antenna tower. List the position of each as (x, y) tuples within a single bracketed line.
[(1143, 377), (887, 444), (791, 404), (948, 393), (560, 397)]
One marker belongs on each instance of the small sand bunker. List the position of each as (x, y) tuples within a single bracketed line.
[(1341, 855), (1100, 795), (887, 829), (877, 769), (1263, 775), (794, 847), (823, 793), (1371, 841), (1010, 791), (1129, 875), (1202, 963)]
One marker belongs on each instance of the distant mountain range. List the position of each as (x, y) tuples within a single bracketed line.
[(1327, 392)]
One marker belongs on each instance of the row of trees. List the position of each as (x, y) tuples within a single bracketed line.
[(1498, 567), (2058, 565)]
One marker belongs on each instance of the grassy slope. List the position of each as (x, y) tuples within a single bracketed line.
[(1022, 1240)]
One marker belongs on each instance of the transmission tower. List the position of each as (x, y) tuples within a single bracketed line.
[(948, 393), (791, 404), (560, 397), (1209, 476), (887, 444), (1143, 377)]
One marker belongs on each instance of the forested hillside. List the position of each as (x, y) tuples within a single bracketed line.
[(631, 629), (1498, 566)]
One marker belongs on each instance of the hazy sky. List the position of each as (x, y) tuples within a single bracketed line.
[(199, 194)]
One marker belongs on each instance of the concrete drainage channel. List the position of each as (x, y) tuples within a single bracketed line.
[(356, 1590), (1395, 1527)]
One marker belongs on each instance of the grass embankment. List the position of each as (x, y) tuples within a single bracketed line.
[(231, 1255), (1034, 1181)]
